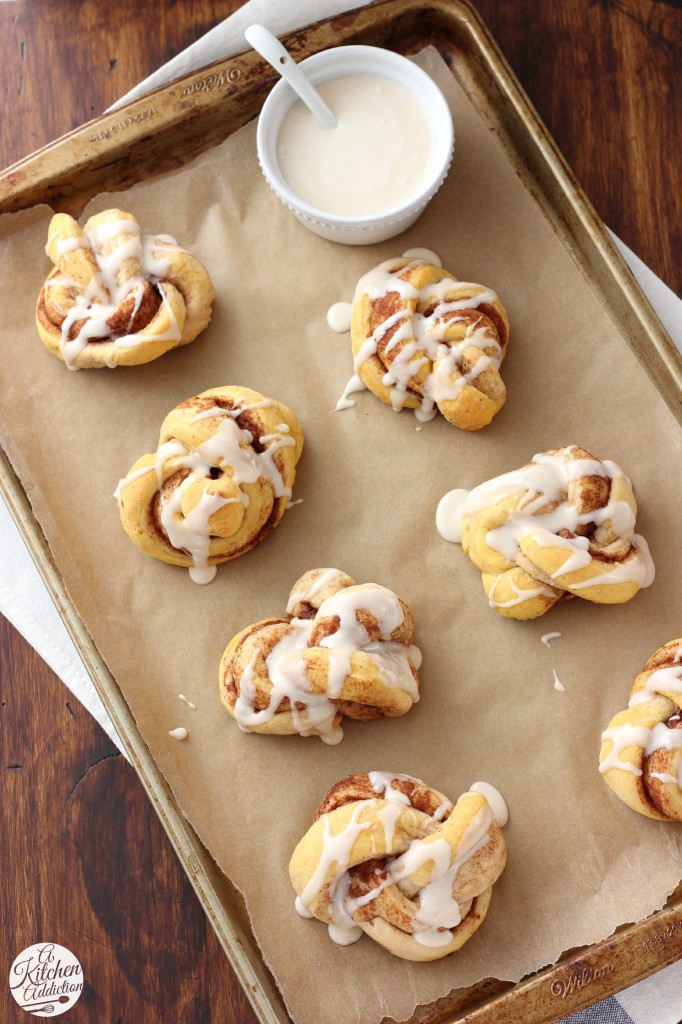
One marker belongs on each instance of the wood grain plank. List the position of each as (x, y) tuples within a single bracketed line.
[(84, 861), (605, 77)]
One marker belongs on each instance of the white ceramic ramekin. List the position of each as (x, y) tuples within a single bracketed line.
[(337, 63)]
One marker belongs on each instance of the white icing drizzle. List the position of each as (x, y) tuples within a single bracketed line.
[(356, 383), (287, 667), (305, 593), (662, 680), (396, 802), (546, 480), (558, 685), (100, 299), (302, 909), (425, 339), (659, 737), (428, 255), (498, 804), (178, 734), (187, 701), (336, 854), (438, 909), (546, 637), (667, 777), (292, 504), (654, 738), (339, 317), (344, 935), (438, 912), (202, 576), (449, 515), (521, 594), (230, 446)]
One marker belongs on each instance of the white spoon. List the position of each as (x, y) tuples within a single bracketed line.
[(270, 48)]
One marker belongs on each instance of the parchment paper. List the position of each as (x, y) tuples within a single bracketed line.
[(580, 863)]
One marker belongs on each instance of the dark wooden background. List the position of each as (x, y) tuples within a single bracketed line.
[(83, 859)]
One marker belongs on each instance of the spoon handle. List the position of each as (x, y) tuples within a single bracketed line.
[(270, 48)]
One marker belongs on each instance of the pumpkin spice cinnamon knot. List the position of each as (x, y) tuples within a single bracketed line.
[(423, 340), (340, 650), (389, 856), (562, 526), (641, 753), (218, 483), (117, 297)]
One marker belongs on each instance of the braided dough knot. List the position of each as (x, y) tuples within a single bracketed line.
[(641, 753), (341, 650), (390, 856), (562, 526), (219, 481), (423, 340), (116, 297)]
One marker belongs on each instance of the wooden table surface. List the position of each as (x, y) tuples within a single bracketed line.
[(84, 860)]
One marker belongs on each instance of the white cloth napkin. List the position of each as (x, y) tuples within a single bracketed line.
[(26, 602)]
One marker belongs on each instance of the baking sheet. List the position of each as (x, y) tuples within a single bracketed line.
[(579, 864)]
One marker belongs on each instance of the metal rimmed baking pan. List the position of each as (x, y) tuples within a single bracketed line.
[(170, 126)]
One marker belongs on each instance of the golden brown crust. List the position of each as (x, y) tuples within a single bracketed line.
[(639, 760), (453, 364), (106, 303), (402, 838), (325, 672), (593, 560), (247, 508)]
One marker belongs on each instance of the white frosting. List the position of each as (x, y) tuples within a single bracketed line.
[(545, 510), (498, 804), (372, 160), (546, 637), (448, 515), (339, 317), (230, 446), (344, 935), (423, 337), (306, 592), (109, 287), (355, 383), (667, 680), (178, 734), (302, 909), (187, 701), (427, 255), (522, 594), (438, 908), (287, 665), (202, 576), (438, 912), (667, 778), (558, 685), (659, 737)]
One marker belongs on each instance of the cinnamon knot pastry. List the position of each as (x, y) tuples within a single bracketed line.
[(390, 856), (423, 340), (340, 650), (641, 753), (561, 526), (218, 483), (116, 297)]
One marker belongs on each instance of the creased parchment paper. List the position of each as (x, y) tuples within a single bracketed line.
[(580, 863)]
